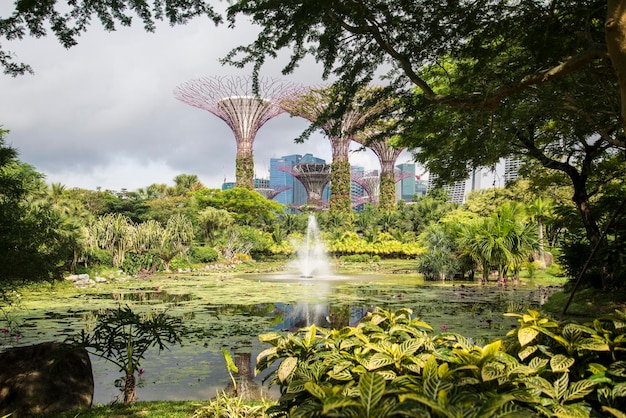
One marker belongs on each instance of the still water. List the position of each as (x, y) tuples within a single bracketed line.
[(234, 311)]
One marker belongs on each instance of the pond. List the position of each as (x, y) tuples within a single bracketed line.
[(234, 310)]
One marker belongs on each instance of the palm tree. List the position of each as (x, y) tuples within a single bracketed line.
[(440, 260), (187, 183), (540, 209), (175, 239), (212, 220), (112, 232), (499, 241)]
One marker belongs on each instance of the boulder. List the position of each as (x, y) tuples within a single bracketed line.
[(44, 379)]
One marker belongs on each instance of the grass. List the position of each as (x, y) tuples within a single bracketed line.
[(156, 409), (221, 407), (587, 303)]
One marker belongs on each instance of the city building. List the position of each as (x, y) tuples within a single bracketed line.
[(405, 188), (456, 191), (511, 169)]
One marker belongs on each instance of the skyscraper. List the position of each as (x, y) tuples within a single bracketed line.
[(405, 188), (511, 169)]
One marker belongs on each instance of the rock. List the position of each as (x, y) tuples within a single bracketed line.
[(100, 279), (77, 277), (84, 283), (44, 379)]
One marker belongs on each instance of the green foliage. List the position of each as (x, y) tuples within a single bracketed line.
[(36, 241), (204, 254), (383, 245), (247, 207), (340, 201), (393, 365), (224, 406), (134, 262), (230, 366), (123, 336), (387, 195), (244, 171)]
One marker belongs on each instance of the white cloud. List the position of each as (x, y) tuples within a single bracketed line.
[(102, 113)]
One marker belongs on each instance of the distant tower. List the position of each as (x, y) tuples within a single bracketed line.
[(314, 177), (232, 100), (311, 106)]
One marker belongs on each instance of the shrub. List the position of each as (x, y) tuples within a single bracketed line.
[(204, 254), (392, 365)]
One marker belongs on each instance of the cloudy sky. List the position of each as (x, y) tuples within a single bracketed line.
[(102, 114)]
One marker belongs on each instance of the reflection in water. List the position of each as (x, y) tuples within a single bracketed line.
[(197, 369), (247, 388)]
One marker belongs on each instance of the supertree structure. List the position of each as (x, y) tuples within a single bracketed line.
[(314, 177), (313, 105), (232, 99), (370, 183), (387, 156)]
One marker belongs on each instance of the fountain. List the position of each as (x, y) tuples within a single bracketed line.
[(312, 260)]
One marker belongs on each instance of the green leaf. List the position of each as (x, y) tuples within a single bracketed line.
[(432, 404), (494, 405), (337, 402), (230, 364), (561, 363), (266, 353), (492, 371), (315, 390), (618, 368), (526, 335), (270, 337), (371, 390), (286, 367), (387, 374), (593, 344), (560, 386), (538, 363), (579, 390), (492, 349), (619, 390), (614, 412), (379, 360), (527, 351), (409, 347), (343, 375)]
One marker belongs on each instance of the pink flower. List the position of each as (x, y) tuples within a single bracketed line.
[(140, 371), (4, 330), (444, 327)]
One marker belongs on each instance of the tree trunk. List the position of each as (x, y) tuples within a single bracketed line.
[(581, 199), (615, 30), (542, 256), (129, 389)]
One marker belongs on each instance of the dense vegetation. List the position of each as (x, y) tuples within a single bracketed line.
[(476, 81), (392, 364), (55, 231)]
